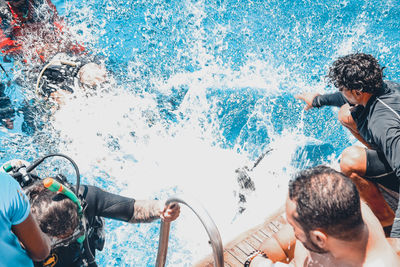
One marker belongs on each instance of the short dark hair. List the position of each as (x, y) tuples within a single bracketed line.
[(328, 200), (55, 213), (357, 72)]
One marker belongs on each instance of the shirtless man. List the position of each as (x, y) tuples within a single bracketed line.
[(324, 209)]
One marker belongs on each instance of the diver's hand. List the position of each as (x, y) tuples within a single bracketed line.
[(308, 98), (171, 212)]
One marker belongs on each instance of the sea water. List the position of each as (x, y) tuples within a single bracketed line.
[(199, 89)]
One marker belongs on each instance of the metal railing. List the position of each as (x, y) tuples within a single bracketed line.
[(208, 223)]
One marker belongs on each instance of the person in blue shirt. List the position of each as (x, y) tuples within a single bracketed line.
[(18, 228)]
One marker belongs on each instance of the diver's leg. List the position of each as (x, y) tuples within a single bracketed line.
[(346, 119), (354, 164)]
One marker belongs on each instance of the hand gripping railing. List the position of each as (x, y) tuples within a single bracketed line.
[(208, 223)]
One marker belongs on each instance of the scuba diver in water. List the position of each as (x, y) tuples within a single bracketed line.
[(31, 31), (57, 81), (73, 216), (370, 109), (55, 84)]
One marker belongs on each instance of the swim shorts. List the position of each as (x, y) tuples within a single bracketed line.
[(379, 171)]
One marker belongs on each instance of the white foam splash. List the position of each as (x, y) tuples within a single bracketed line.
[(121, 134)]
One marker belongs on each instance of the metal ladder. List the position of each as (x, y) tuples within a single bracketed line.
[(208, 223)]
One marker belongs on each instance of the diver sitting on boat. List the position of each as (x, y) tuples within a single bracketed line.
[(370, 109), (73, 217), (331, 224)]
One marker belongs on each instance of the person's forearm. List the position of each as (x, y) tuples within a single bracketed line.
[(335, 99), (146, 211)]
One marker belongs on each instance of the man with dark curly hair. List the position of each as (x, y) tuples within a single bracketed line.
[(370, 109)]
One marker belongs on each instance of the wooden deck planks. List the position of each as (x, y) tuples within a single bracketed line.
[(231, 260), (246, 248), (254, 243), (237, 250), (238, 254)]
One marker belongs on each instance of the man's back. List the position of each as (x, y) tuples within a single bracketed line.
[(379, 251)]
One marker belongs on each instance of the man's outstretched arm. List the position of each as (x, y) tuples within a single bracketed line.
[(108, 205)]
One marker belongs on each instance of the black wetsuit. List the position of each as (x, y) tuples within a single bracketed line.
[(99, 204), (379, 124)]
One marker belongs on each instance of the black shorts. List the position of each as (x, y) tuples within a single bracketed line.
[(379, 171)]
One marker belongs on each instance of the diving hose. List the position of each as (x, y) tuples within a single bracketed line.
[(39, 161), (53, 186)]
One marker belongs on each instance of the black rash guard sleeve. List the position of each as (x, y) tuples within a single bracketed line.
[(336, 99), (108, 205)]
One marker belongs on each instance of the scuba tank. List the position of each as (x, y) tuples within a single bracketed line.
[(58, 75), (25, 174)]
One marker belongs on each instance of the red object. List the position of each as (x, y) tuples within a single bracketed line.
[(19, 26)]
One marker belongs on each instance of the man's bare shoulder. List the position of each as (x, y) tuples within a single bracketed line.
[(379, 250)]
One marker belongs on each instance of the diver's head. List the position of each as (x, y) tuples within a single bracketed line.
[(92, 74), (359, 71), (56, 214)]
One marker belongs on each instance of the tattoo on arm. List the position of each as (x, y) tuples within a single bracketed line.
[(145, 211)]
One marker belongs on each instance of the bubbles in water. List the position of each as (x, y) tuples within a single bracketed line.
[(201, 89)]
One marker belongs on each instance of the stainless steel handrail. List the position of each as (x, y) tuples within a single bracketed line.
[(208, 223)]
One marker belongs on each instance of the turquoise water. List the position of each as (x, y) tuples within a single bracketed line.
[(200, 89)]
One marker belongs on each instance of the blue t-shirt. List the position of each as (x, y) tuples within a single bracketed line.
[(14, 209)]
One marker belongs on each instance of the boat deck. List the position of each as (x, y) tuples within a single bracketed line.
[(237, 251)]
